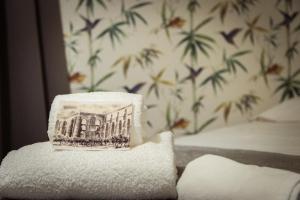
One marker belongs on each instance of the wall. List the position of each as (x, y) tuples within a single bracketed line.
[(200, 64)]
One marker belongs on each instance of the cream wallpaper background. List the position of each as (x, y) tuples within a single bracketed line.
[(200, 64)]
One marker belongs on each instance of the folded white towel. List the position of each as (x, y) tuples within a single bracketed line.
[(216, 178), (144, 172)]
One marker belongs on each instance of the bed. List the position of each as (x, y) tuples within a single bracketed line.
[(260, 143), (259, 159), (271, 139)]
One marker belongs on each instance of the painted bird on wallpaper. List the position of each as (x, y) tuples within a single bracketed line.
[(287, 18), (229, 36), (193, 73), (180, 123), (77, 77), (177, 22), (274, 69), (89, 25), (135, 88)]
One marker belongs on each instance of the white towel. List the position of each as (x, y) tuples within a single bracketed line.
[(213, 177), (144, 172)]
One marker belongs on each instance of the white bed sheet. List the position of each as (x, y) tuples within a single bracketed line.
[(281, 138)]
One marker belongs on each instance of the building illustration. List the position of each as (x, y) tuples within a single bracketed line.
[(108, 127)]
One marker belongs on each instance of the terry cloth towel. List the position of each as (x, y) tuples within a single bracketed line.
[(213, 177), (37, 172)]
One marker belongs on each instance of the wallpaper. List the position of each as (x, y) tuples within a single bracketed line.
[(200, 64)]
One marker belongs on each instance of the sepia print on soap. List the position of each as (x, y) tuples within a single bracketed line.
[(93, 126)]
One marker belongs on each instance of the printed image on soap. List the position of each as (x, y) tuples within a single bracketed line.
[(93, 126)]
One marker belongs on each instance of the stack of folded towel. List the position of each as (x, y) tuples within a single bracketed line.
[(145, 171)]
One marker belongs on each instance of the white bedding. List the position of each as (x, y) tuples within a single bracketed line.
[(144, 172), (281, 138), (213, 177), (287, 111)]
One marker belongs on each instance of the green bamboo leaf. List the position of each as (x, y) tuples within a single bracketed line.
[(241, 53), (227, 111), (161, 72), (208, 46), (156, 91), (223, 11), (168, 114), (150, 89), (186, 51), (101, 2), (205, 124), (241, 65), (126, 66), (205, 37), (193, 49), (131, 19), (80, 2), (216, 80), (114, 32), (206, 81), (215, 7), (132, 15), (295, 82), (280, 87), (89, 4), (104, 78), (246, 35), (182, 41), (289, 87), (166, 82), (232, 61), (193, 5), (118, 61), (140, 5), (252, 28), (239, 107), (286, 94), (203, 23), (195, 43), (106, 31), (263, 67), (120, 31), (220, 107), (200, 46), (141, 18), (164, 13)]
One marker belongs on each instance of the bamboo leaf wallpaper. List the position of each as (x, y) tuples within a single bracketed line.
[(200, 64)]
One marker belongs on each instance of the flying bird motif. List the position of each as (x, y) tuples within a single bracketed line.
[(274, 69), (89, 25), (77, 77), (135, 88), (229, 37), (287, 18), (180, 123), (193, 73), (177, 22)]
